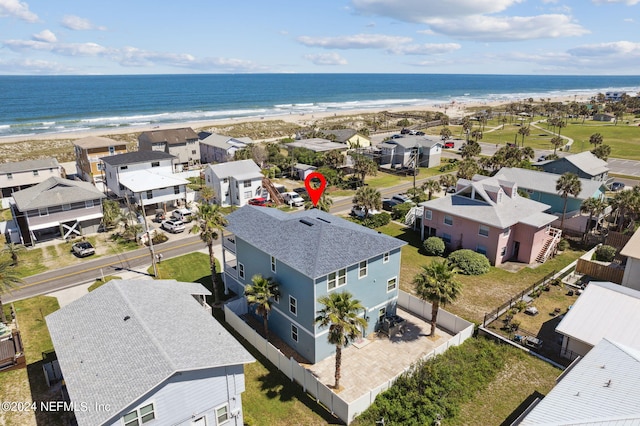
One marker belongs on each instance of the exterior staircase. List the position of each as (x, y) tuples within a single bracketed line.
[(274, 194), (550, 243)]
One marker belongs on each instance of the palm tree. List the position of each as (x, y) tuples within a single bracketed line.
[(524, 131), (557, 142), (14, 251), (593, 206), (625, 202), (595, 139), (445, 134), (602, 152), (209, 222), (207, 194), (436, 284), (262, 293), (567, 184), (368, 198), (340, 314), (447, 181), (430, 186), (363, 166), (470, 150), (324, 204), (9, 280), (111, 213)]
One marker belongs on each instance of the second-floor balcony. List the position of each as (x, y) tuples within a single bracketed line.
[(229, 242)]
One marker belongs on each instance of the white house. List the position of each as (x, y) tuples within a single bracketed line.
[(133, 352), (146, 177), (234, 183), (24, 174), (217, 148)]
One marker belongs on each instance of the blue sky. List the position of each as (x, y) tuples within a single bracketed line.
[(572, 37)]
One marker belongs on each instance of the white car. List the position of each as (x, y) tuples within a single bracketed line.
[(184, 215), (293, 199), (173, 226), (358, 211)]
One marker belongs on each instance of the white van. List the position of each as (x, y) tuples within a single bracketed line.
[(184, 215), (293, 199)]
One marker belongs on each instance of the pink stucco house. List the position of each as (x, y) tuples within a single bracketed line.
[(488, 216)]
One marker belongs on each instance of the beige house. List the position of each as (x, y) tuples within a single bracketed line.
[(349, 137), (183, 143), (89, 150), (25, 174)]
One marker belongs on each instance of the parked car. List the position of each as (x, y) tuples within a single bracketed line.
[(542, 158), (358, 211), (405, 131), (83, 249), (160, 216), (617, 186), (260, 201), (397, 136), (293, 199), (184, 215), (173, 226), (388, 204), (401, 198), (449, 145), (303, 193), (420, 133)]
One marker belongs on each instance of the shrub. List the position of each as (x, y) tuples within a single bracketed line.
[(520, 305), (377, 220), (401, 210), (469, 262), (605, 253), (434, 246), (563, 245)]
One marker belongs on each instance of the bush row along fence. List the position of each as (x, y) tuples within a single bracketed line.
[(347, 411)]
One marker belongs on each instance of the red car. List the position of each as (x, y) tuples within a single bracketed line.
[(260, 201), (449, 144)]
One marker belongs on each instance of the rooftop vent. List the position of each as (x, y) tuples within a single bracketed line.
[(324, 220), (127, 318), (306, 222)]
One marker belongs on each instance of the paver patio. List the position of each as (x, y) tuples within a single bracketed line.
[(377, 359)]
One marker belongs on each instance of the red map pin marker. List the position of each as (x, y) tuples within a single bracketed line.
[(314, 189)]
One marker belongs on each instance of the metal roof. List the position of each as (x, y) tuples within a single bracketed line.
[(29, 165), (319, 242), (226, 142), (122, 340), (145, 180), (316, 145), (170, 136), (55, 191), (604, 309)]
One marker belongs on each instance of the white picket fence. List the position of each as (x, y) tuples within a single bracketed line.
[(342, 409)]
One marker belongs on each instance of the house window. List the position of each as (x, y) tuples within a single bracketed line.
[(293, 305), (222, 414), (483, 230), (241, 270), (124, 167), (294, 333), (66, 207), (385, 257), (225, 180), (149, 195), (139, 416), (428, 214), (337, 279), (9, 175), (362, 269), (247, 183), (88, 204), (446, 238), (176, 189), (392, 284), (506, 232), (381, 314), (43, 212), (193, 151), (155, 164), (247, 194), (448, 220), (273, 264), (481, 249), (35, 173), (503, 251), (100, 167)]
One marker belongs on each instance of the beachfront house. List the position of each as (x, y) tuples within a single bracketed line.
[(235, 182), (55, 208), (148, 352), (146, 178), (311, 254), (90, 150), (216, 148), (409, 152), (24, 174), (183, 143), (585, 165), (603, 310), (488, 216)]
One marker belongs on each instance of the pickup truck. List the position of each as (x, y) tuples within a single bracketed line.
[(293, 199)]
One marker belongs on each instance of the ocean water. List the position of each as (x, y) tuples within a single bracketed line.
[(57, 104)]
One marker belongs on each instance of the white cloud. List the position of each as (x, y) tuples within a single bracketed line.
[(356, 41), (46, 36), (326, 59), (618, 49), (425, 49), (77, 23), (30, 66), (487, 28), (421, 10), (17, 9), (627, 2)]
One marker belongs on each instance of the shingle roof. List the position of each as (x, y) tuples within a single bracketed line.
[(170, 136), (119, 342), (136, 157), (342, 135), (318, 242), (55, 191), (604, 309), (588, 162), (546, 182), (483, 209), (241, 169), (603, 388), (96, 142), (411, 141), (28, 165), (316, 145)]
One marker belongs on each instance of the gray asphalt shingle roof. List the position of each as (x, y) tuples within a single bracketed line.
[(311, 241), (136, 157), (55, 191), (241, 169), (120, 341), (170, 136), (29, 165), (546, 182)]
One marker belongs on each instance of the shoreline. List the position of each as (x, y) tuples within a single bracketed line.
[(452, 109)]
